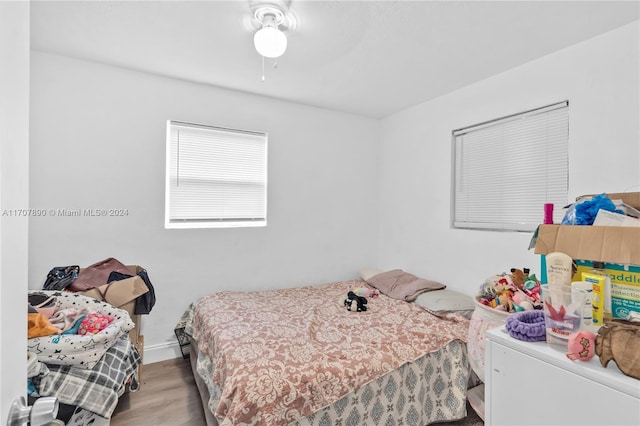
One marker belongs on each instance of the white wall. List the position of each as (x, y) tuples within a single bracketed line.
[(98, 141), (344, 191), (14, 181), (599, 77)]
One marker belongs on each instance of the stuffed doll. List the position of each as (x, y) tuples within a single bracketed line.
[(518, 277), (365, 291), (355, 303), (581, 345)]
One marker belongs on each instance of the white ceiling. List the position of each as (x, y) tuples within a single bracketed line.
[(366, 57)]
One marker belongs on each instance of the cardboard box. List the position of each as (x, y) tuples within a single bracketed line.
[(625, 286), (122, 294), (607, 218), (611, 244), (618, 247)]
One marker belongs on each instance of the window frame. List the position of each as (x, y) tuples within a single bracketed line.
[(558, 194), (217, 221)]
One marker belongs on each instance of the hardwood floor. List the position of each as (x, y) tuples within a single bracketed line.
[(169, 397)]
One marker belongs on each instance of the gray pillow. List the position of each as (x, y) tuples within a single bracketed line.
[(446, 301)]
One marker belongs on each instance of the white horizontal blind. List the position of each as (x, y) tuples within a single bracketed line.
[(507, 169), (216, 177)]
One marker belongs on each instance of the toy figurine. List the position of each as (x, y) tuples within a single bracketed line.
[(355, 303)]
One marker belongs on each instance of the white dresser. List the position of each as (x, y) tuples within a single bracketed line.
[(530, 383)]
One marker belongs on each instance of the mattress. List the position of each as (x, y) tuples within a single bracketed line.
[(264, 357)]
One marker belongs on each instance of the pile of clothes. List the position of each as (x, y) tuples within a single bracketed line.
[(82, 335), (71, 329), (45, 318), (79, 351)]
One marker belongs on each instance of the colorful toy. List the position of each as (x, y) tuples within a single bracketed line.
[(504, 300), (581, 345), (515, 292), (517, 277), (365, 291)]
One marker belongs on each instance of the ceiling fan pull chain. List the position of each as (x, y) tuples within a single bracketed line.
[(263, 69)]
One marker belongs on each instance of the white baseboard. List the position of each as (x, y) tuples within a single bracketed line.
[(161, 352)]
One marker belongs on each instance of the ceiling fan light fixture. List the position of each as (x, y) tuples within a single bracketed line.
[(269, 41)]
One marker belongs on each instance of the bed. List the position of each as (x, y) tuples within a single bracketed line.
[(298, 356)]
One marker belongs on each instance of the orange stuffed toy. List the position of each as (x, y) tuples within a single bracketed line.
[(40, 326)]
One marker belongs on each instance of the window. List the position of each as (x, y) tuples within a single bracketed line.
[(216, 177), (505, 170)]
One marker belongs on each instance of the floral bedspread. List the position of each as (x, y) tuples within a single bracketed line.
[(282, 355)]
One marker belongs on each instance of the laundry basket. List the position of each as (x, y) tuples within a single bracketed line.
[(483, 318), (77, 350)]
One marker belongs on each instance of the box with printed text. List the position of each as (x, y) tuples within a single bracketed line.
[(617, 246)]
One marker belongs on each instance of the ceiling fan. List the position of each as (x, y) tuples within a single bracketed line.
[(273, 20)]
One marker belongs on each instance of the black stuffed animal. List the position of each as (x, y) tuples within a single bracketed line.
[(360, 302)]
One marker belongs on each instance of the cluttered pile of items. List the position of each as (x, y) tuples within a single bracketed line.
[(591, 267), (84, 343), (586, 301)]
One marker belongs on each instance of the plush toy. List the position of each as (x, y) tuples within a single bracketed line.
[(504, 302), (581, 345), (532, 286), (514, 292), (509, 293), (355, 303), (365, 291), (502, 289), (518, 277), (522, 302), (491, 288)]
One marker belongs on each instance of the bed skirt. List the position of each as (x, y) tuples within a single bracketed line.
[(431, 389)]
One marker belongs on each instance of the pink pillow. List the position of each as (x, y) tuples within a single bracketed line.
[(402, 285)]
